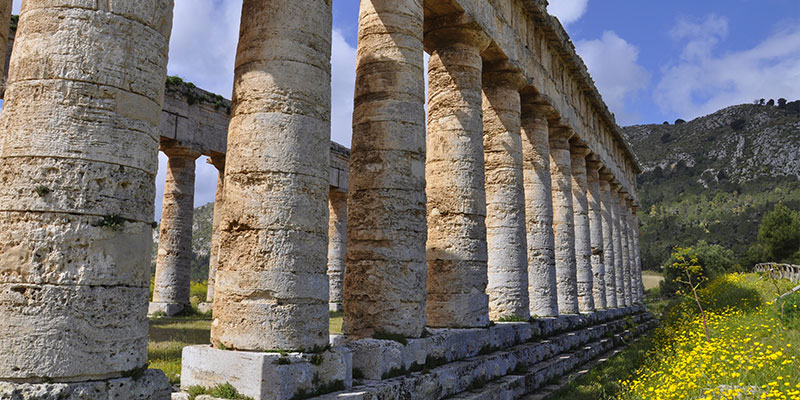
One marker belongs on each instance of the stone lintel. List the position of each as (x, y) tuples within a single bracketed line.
[(266, 375)]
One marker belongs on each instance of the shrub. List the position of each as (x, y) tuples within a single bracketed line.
[(779, 235), (714, 260), (738, 124), (679, 121)]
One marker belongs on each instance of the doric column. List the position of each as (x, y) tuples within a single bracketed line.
[(539, 208), (625, 246), (637, 253), (619, 275), (505, 195), (563, 220), (583, 240), (271, 290), (635, 284), (609, 260), (384, 287), (337, 246), (456, 248), (174, 257), (5, 19), (219, 203), (78, 160), (595, 198)]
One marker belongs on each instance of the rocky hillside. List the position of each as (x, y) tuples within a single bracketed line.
[(714, 177)]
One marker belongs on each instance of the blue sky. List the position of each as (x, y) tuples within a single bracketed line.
[(652, 60)]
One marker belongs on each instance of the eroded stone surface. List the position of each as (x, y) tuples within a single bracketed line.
[(538, 209), (619, 273), (563, 221), (583, 245), (219, 204), (174, 262), (271, 289), (626, 247), (609, 259), (337, 243), (454, 170), (152, 385), (505, 198), (78, 158), (594, 198), (386, 271)]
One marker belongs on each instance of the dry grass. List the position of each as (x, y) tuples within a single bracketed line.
[(651, 279)]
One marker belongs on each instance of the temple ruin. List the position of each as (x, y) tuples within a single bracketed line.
[(480, 249)]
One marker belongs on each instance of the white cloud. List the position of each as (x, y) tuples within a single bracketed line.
[(203, 50), (343, 84), (613, 63), (567, 11), (705, 79)]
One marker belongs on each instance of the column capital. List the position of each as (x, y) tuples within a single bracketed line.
[(175, 151), (593, 163), (454, 29), (218, 161), (578, 147), (503, 74), (559, 137)]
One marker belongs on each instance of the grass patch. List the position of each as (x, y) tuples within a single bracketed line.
[(224, 391), (169, 335), (752, 351)]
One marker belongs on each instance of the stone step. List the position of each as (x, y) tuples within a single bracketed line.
[(538, 383), (506, 373)]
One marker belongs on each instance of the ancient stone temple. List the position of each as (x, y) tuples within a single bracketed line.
[(493, 238)]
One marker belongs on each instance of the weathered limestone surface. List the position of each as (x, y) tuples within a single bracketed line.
[(594, 198), (583, 241), (385, 283), (538, 209), (637, 255), (505, 197), (271, 289), (636, 275), (337, 246), (78, 157), (5, 18), (609, 258), (219, 204), (563, 221), (174, 262), (626, 246), (261, 375), (619, 273), (454, 170), (153, 384)]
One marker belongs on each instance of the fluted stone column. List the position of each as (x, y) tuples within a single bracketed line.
[(78, 160), (219, 204), (636, 275), (637, 252), (595, 196), (174, 257), (456, 248), (5, 22), (619, 274), (337, 246), (505, 195), (626, 246), (583, 239), (384, 287), (539, 208), (271, 290), (609, 258), (563, 221), (624, 267)]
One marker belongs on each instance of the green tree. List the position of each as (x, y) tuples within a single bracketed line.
[(712, 259), (779, 234)]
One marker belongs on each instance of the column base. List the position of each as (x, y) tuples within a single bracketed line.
[(151, 385), (268, 375), (205, 307), (170, 309), (336, 307)]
